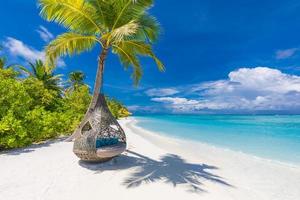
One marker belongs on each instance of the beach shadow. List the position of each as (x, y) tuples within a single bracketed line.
[(120, 162), (31, 148), (170, 168)]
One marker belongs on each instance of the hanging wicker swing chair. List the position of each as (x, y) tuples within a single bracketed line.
[(100, 137)]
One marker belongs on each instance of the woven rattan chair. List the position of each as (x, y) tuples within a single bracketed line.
[(100, 124)]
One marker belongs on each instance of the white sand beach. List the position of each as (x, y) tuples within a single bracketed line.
[(154, 167)]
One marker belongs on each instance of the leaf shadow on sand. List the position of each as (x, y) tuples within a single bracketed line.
[(170, 168), (31, 148)]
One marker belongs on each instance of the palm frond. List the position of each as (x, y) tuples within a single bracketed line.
[(33, 69), (128, 10), (68, 44), (129, 59), (119, 34), (128, 52), (38, 69), (123, 25), (76, 15), (104, 13), (56, 77), (53, 82), (76, 79), (149, 28), (23, 69), (142, 49)]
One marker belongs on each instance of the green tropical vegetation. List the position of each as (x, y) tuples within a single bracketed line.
[(123, 27), (35, 106), (38, 71), (76, 79)]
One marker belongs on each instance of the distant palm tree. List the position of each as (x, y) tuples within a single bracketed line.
[(2, 63), (38, 70), (123, 26), (76, 80), (2, 60)]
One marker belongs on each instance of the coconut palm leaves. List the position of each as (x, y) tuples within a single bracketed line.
[(124, 26), (76, 15), (39, 71), (68, 44), (76, 80)]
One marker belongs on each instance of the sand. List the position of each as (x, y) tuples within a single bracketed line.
[(153, 167)]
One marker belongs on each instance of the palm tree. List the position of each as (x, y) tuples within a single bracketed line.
[(2, 63), (4, 66), (39, 71), (2, 60), (76, 80), (122, 26)]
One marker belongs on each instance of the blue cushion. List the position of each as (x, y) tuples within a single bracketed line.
[(98, 143), (101, 142)]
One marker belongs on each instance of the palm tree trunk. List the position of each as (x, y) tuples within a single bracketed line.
[(99, 77), (97, 90)]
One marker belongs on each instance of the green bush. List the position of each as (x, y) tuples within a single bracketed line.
[(75, 105), (29, 112), (12, 132), (40, 95), (116, 108), (14, 104)]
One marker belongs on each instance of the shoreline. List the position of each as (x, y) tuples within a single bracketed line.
[(263, 177), (153, 167), (146, 133)]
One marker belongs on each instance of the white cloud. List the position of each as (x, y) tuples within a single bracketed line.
[(45, 34), (139, 108), (175, 100), (251, 89), (286, 53), (161, 92), (19, 49), (179, 104), (265, 79)]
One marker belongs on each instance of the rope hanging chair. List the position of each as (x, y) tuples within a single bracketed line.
[(100, 137)]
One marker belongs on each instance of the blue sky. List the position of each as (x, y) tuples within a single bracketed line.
[(220, 56)]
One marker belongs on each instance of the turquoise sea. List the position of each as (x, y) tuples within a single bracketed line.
[(275, 137)]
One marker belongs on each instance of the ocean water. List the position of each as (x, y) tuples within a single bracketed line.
[(275, 137)]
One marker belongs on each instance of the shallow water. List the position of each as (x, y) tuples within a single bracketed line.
[(275, 137)]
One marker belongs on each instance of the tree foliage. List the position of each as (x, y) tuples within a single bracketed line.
[(117, 109), (124, 26), (31, 111), (39, 71), (76, 79)]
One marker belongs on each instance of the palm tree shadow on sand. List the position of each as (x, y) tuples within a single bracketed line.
[(170, 168)]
